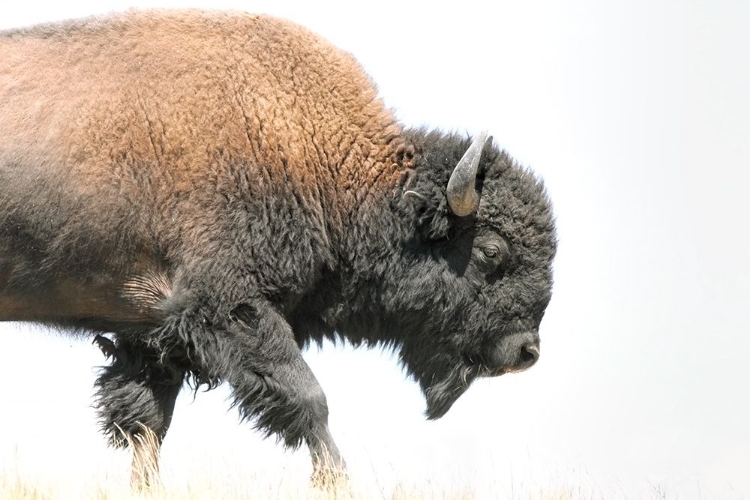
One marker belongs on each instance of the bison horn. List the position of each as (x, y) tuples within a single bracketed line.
[(462, 194)]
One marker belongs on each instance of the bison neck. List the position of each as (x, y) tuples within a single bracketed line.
[(351, 298)]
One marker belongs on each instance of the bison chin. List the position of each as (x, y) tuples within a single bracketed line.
[(441, 393)]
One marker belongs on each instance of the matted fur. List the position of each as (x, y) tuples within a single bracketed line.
[(216, 190)]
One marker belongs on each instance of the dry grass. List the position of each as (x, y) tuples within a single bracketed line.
[(16, 486), (17, 490), (213, 479)]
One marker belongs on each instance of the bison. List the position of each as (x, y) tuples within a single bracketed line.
[(206, 193)]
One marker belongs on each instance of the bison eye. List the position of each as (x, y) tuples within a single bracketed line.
[(491, 252)]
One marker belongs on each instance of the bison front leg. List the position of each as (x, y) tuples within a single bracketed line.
[(136, 396), (273, 385)]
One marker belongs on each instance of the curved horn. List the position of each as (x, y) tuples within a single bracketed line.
[(462, 194)]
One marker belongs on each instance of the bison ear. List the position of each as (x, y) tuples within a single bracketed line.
[(414, 195), (430, 217), (463, 198)]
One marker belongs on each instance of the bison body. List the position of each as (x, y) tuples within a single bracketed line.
[(217, 190)]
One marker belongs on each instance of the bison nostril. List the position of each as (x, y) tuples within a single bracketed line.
[(529, 354)]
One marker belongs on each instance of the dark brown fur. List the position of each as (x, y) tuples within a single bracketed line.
[(215, 191)]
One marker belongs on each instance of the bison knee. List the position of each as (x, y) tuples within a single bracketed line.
[(315, 400)]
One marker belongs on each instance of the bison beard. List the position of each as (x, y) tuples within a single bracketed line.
[(214, 209)]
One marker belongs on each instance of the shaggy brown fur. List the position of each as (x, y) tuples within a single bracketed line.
[(214, 191), (123, 112)]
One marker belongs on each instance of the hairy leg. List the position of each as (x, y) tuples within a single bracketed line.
[(258, 356), (135, 399)]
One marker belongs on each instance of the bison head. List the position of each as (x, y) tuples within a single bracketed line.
[(466, 295)]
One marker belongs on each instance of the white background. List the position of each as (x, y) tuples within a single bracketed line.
[(637, 115)]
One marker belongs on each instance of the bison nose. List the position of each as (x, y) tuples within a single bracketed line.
[(529, 355)]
